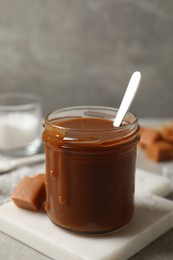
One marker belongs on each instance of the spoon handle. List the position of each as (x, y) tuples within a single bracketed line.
[(128, 97)]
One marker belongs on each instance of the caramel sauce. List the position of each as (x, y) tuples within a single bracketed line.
[(90, 188)]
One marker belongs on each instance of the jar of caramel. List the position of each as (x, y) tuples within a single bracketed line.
[(90, 168)]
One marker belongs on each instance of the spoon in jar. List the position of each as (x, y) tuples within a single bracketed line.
[(128, 98)]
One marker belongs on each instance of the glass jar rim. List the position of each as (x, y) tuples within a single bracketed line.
[(129, 126)]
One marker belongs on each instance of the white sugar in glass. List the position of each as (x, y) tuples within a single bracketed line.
[(20, 124)]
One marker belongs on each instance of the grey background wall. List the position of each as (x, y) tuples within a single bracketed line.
[(82, 52)]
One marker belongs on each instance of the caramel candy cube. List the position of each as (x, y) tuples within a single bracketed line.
[(30, 193), (167, 133), (148, 136), (41, 177), (159, 151)]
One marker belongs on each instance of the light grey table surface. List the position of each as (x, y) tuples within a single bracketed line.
[(160, 249)]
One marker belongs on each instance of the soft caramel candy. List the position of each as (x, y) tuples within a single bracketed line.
[(148, 136), (159, 151), (167, 133), (41, 177), (30, 193)]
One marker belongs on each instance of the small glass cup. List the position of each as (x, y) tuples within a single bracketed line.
[(90, 169), (20, 124)]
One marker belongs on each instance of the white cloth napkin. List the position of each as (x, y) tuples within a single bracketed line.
[(9, 181)]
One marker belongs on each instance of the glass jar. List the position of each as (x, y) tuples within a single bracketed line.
[(20, 124), (90, 168)]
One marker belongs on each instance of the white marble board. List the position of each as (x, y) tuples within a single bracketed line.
[(153, 217)]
